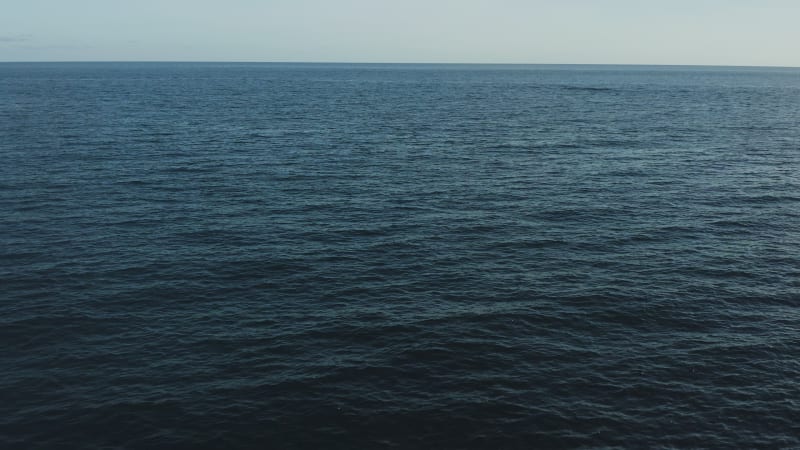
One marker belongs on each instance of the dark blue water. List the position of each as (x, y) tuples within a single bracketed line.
[(392, 256)]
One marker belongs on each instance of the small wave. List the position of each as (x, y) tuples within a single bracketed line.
[(587, 88)]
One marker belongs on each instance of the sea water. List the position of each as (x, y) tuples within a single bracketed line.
[(398, 256)]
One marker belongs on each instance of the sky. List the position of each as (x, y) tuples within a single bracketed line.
[(694, 32)]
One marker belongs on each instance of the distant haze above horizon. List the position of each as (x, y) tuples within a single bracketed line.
[(697, 32)]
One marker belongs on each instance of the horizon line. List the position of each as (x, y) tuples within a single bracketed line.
[(392, 63)]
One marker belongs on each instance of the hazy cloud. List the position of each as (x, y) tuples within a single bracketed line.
[(15, 38)]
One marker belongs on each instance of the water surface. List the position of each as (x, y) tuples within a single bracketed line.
[(398, 256)]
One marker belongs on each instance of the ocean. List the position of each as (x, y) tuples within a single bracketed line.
[(340, 256)]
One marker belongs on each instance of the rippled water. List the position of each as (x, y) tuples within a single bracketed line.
[(399, 256)]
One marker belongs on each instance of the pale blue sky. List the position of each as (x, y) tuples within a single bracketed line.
[(713, 32)]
